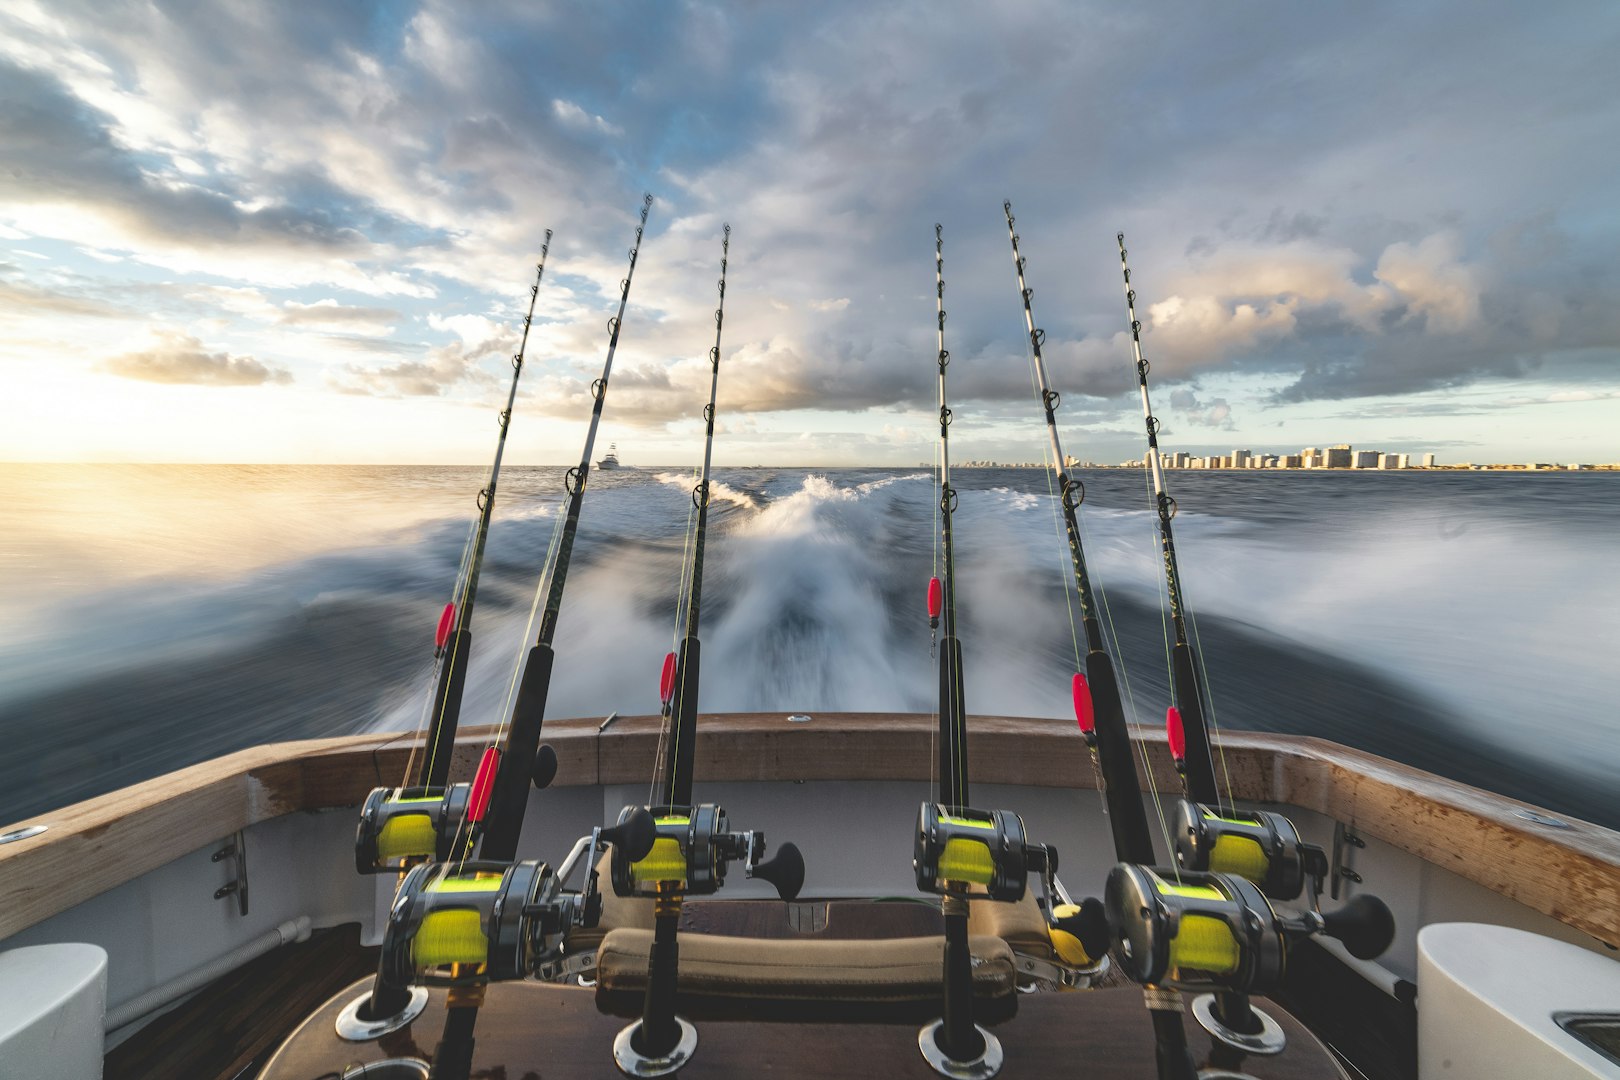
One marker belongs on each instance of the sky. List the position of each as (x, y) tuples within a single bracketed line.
[(254, 231)]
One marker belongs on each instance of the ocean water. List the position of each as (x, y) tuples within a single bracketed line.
[(155, 616)]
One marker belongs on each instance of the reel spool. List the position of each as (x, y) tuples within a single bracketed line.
[(1219, 931), (693, 846), (958, 847), (403, 826), (1257, 845), (463, 924)]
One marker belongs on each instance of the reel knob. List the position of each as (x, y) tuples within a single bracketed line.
[(1087, 923), (1365, 926), (545, 767), (785, 870), (634, 834)]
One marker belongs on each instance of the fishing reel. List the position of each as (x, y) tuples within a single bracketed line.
[(958, 848), (400, 827), (474, 922), (403, 826), (1218, 931), (693, 845), (1262, 847)]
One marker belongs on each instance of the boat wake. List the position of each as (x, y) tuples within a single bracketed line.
[(1364, 630)]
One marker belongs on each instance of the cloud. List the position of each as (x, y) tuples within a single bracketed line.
[(1215, 413), (329, 314), (443, 368), (19, 300), (573, 116), (180, 359)]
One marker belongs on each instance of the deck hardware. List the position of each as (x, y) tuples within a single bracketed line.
[(986, 1065), (798, 718), (1267, 1041), (603, 726), (351, 1028), (22, 834), (634, 1063), (1343, 836), (1543, 819), (235, 850)]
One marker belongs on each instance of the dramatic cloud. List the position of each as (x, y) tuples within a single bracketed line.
[(182, 359), (1320, 205)]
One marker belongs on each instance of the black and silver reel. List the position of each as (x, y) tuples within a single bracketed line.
[(463, 924), (693, 846), (959, 848), (1260, 846), (1218, 931), (403, 826)]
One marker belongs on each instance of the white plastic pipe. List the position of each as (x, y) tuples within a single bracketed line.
[(154, 999)]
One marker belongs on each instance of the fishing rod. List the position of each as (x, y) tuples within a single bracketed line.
[(953, 769), (961, 852), (509, 795), (1098, 708), (405, 825), (1215, 928), (1188, 732), (695, 843), (454, 638), (679, 685)]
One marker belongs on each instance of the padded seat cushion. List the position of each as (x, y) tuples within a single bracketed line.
[(893, 970)]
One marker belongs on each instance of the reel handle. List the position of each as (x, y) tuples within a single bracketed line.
[(1365, 926), (634, 835), (785, 870), (545, 767)]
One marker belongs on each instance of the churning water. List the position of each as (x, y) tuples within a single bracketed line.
[(156, 616)]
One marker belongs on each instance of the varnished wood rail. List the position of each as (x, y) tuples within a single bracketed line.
[(1570, 874)]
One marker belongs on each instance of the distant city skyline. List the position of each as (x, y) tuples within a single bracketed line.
[(262, 232)]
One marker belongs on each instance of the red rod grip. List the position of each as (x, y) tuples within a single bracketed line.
[(1084, 713), (1177, 734), (446, 621), (666, 680), (483, 785), (936, 599)]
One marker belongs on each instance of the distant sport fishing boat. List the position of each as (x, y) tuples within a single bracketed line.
[(610, 460), (919, 934)]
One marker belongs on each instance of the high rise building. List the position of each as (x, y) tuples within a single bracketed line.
[(1428, 461), (1366, 459), (1294, 461), (1240, 459), (1336, 457), (1389, 461), (1404, 461)]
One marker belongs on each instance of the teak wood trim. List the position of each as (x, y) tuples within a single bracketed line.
[(1570, 874)]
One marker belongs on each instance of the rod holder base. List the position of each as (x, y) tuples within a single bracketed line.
[(986, 1065), (351, 1028), (633, 1062), (1267, 1041)]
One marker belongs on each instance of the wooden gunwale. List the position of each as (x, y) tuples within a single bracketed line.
[(1570, 874)]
